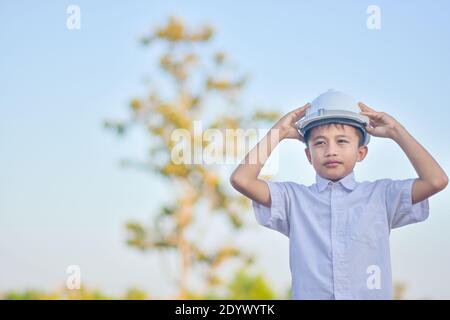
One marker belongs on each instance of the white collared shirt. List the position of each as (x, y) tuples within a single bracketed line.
[(339, 233)]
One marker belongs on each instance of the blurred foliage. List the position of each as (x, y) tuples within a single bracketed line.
[(60, 294), (197, 86), (242, 286), (245, 286)]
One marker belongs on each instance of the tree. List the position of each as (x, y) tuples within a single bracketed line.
[(198, 89)]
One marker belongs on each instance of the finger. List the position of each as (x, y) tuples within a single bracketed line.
[(364, 107), (303, 108), (371, 115), (300, 112), (369, 128)]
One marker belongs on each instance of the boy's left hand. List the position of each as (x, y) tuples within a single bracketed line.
[(380, 123)]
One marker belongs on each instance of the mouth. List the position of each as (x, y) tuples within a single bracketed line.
[(332, 164)]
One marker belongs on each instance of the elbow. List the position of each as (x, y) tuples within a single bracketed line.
[(236, 181), (440, 184)]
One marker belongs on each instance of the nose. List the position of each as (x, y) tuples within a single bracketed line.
[(330, 150)]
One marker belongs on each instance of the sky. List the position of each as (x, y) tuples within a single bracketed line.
[(64, 198)]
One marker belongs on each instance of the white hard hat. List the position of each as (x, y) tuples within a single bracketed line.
[(334, 107)]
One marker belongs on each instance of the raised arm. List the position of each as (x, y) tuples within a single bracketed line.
[(432, 178), (245, 177)]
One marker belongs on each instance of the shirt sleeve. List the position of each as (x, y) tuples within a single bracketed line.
[(399, 205), (276, 216)]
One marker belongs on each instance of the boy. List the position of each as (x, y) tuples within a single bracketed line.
[(339, 228)]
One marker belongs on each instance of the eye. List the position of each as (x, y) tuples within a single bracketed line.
[(319, 142), (342, 140)]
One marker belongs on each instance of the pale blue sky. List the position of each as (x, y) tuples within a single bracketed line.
[(64, 198)]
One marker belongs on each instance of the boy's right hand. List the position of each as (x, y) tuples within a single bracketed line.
[(245, 178), (287, 124)]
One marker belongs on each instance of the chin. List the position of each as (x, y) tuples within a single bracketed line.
[(335, 176)]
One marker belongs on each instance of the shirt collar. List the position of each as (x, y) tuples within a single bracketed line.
[(348, 181)]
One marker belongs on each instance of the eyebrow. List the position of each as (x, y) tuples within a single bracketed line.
[(338, 136)]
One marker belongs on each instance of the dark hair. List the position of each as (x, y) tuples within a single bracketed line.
[(358, 131)]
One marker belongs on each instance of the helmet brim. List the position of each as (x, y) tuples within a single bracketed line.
[(357, 123)]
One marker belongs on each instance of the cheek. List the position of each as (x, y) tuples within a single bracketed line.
[(316, 156), (351, 153)]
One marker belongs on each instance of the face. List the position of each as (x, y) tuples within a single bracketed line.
[(333, 150)]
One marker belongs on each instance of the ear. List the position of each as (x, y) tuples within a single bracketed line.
[(362, 153), (308, 154)]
